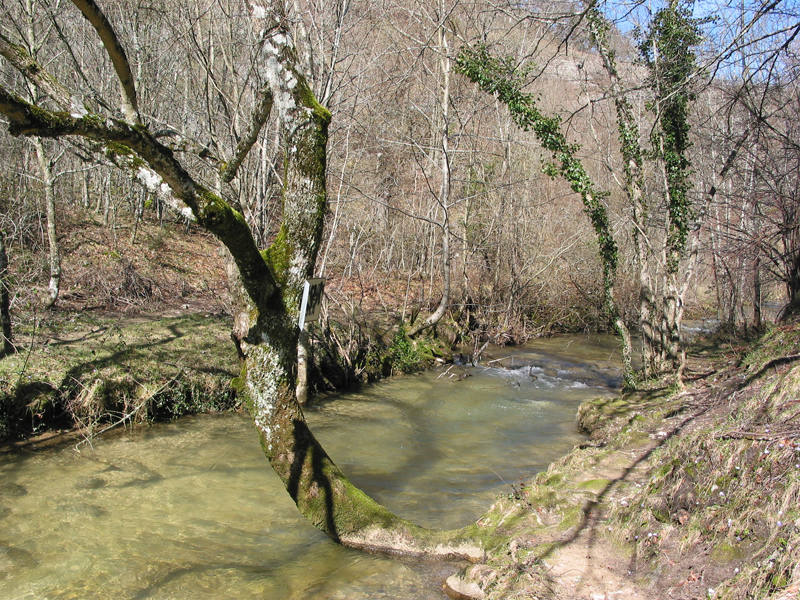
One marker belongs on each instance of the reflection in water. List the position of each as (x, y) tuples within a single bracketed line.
[(191, 509)]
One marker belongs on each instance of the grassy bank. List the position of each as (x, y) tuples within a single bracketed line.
[(90, 370), (689, 493)]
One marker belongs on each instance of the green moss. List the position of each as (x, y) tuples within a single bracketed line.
[(239, 383), (278, 256), (594, 485), (215, 213), (554, 479), (544, 498), (116, 149), (725, 552), (486, 537), (543, 550), (308, 99), (571, 517)]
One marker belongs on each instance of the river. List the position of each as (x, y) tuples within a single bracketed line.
[(191, 509)]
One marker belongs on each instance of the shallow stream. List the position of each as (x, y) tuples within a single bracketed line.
[(191, 509)]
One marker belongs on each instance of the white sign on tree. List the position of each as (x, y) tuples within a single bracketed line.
[(311, 302)]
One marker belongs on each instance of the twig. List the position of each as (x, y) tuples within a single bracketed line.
[(498, 359), (445, 372), (30, 349)]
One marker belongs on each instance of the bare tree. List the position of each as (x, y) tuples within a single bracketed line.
[(268, 283)]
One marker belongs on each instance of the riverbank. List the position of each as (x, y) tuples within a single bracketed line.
[(90, 371), (678, 493), (190, 508), (83, 372)]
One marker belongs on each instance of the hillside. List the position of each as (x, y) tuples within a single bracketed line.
[(678, 493)]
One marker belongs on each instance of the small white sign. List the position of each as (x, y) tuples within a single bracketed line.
[(312, 301)]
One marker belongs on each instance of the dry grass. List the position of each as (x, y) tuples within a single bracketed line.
[(87, 370), (724, 496), (168, 268)]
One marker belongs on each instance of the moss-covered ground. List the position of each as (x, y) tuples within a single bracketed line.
[(677, 493)]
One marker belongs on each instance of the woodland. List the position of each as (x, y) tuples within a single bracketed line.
[(461, 173)]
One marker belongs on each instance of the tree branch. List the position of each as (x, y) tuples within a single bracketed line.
[(22, 61), (167, 175), (117, 55), (260, 116)]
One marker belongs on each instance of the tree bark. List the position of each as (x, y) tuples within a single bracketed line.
[(5, 305), (444, 188), (303, 355), (46, 171)]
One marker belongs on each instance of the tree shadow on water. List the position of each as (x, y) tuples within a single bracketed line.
[(304, 444)]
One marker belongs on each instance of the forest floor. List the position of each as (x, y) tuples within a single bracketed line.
[(686, 493), (140, 332)]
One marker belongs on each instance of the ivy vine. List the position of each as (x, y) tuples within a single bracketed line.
[(667, 50), (499, 76)]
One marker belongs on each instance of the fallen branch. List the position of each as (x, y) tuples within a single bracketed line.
[(758, 436)]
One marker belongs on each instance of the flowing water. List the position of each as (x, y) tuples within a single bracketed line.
[(191, 509)]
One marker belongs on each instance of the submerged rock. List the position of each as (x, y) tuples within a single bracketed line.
[(13, 490)]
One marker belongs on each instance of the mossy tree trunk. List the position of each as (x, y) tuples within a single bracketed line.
[(266, 285)]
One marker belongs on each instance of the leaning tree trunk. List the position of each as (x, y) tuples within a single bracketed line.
[(268, 336), (493, 76), (269, 282), (632, 155)]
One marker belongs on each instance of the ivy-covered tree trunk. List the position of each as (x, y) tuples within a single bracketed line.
[(668, 53), (633, 158), (497, 76), (663, 279)]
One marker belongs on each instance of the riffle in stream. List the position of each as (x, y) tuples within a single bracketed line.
[(191, 509)]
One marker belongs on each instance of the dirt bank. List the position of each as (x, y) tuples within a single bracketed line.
[(679, 493)]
